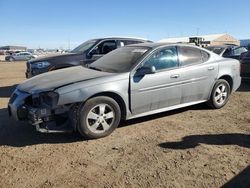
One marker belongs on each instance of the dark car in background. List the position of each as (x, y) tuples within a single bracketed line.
[(86, 53), (228, 51), (245, 66)]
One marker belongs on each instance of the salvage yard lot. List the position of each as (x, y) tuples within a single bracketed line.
[(191, 147)]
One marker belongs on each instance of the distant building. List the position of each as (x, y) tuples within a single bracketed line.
[(13, 48), (205, 40)]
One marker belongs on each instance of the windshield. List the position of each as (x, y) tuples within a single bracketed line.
[(84, 46), (119, 60), (217, 50)]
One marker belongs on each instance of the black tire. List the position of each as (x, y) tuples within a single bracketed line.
[(86, 124), (218, 100)]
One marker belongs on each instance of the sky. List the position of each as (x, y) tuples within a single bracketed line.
[(67, 23)]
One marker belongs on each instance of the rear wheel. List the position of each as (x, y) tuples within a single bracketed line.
[(99, 117), (220, 94)]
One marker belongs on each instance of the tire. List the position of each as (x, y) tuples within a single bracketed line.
[(11, 59), (220, 94), (98, 117)]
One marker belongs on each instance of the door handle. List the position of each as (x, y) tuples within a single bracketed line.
[(175, 76), (210, 68)]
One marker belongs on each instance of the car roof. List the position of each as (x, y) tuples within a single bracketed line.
[(124, 38), (160, 44)]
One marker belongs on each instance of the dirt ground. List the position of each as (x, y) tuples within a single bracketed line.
[(191, 147)]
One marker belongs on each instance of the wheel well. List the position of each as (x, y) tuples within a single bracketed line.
[(229, 80), (117, 98)]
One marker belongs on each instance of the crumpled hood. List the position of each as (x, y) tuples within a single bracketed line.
[(51, 80)]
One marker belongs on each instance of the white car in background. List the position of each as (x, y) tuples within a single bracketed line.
[(21, 56)]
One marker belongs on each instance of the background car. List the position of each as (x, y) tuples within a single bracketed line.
[(129, 82), (228, 51), (245, 66), (86, 53), (21, 56)]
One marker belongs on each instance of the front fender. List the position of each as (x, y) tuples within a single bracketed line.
[(82, 93)]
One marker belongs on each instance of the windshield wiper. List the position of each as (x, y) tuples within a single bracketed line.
[(94, 68)]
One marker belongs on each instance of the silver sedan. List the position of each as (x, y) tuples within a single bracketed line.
[(21, 56), (129, 82)]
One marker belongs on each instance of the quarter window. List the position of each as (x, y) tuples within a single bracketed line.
[(205, 56), (163, 59), (189, 56)]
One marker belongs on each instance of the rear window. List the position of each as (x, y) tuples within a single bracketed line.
[(216, 50)]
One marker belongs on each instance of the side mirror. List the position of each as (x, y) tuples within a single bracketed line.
[(145, 70)]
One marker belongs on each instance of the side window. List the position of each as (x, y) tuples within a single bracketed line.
[(105, 47), (189, 56), (240, 50), (163, 59), (227, 53)]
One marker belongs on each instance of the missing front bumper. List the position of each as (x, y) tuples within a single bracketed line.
[(46, 119), (53, 128)]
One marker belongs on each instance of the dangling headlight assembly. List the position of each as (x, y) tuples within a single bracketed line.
[(49, 98)]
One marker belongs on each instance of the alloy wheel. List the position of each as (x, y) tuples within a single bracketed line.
[(100, 118), (221, 94)]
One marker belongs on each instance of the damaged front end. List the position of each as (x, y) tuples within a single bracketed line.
[(41, 110)]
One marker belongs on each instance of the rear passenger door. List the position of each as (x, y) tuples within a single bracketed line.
[(198, 74)]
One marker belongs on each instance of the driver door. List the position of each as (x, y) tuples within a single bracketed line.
[(160, 89)]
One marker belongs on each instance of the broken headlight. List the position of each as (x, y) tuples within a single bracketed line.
[(49, 98)]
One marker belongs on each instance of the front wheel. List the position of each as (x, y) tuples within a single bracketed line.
[(11, 59), (220, 94), (98, 117)]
